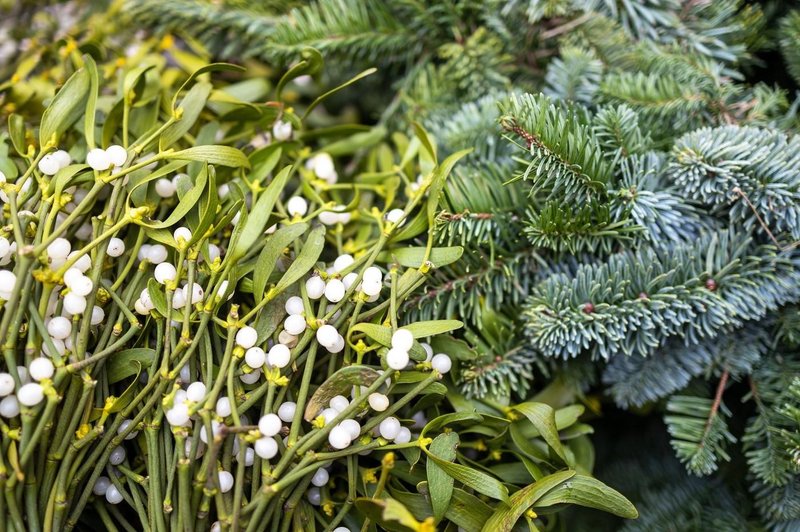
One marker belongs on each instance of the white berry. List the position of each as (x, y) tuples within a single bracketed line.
[(342, 262), (62, 158), (246, 337), (9, 407), (182, 233), (389, 428), (117, 155), (266, 448), (165, 272), (327, 335), (82, 286), (295, 324), (41, 368), (113, 495), (165, 188), (30, 394), (116, 247), (49, 165), (225, 481), (269, 425), (403, 435), (279, 356), (339, 403), (156, 253), (59, 248), (255, 357), (101, 486), (286, 411), (297, 206), (59, 327), (196, 391), (397, 359), (378, 402), (98, 159), (339, 437), (371, 288), (334, 290), (441, 363), (223, 407), (117, 456), (282, 130), (320, 477), (74, 304), (6, 384), (402, 339), (352, 427), (315, 287), (294, 306)]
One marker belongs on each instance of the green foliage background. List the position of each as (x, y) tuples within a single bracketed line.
[(630, 214)]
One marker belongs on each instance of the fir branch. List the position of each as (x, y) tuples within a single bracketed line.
[(564, 160), (710, 164), (591, 228), (634, 301), (635, 381), (699, 431)]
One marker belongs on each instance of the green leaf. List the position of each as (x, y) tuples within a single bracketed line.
[(123, 364), (477, 480), (389, 514), (414, 257), (310, 64), (440, 484), (422, 329), (505, 517), (358, 141), (67, 106), (439, 176), (321, 98), (446, 419), (340, 383), (379, 333), (221, 155), (257, 218), (185, 204), (158, 296), (211, 67), (542, 417), (456, 348), (91, 104), (589, 492), (273, 249), (426, 141), (308, 256), (191, 105), (16, 131)]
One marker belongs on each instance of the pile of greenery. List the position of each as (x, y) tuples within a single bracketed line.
[(615, 242)]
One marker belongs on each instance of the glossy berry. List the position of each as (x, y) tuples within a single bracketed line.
[(389, 428), (269, 425), (397, 359), (246, 337), (315, 287), (441, 363), (266, 448), (402, 339)]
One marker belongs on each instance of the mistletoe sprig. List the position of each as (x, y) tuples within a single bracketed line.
[(199, 308)]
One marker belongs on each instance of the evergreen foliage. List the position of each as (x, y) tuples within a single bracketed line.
[(629, 213)]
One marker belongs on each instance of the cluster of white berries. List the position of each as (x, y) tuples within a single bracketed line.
[(51, 163), (101, 160), (398, 358), (29, 393)]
